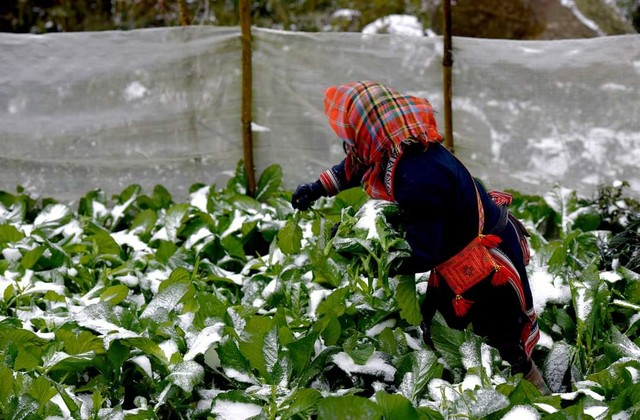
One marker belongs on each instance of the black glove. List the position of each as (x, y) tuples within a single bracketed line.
[(306, 194)]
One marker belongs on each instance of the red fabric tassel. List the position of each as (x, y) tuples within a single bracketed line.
[(500, 276), (434, 279), (461, 305), (490, 241)]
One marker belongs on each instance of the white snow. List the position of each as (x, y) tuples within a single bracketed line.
[(169, 347), (583, 303), (232, 410), (378, 328), (118, 210), (199, 198), (11, 254), (144, 363), (367, 221), (257, 128), (596, 411), (610, 276), (545, 288), (571, 5), (236, 223), (134, 90), (127, 238), (315, 297), (200, 343), (239, 376), (522, 412), (51, 214), (405, 25), (375, 365), (349, 14), (199, 235)]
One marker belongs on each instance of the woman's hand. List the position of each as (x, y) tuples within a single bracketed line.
[(306, 194)]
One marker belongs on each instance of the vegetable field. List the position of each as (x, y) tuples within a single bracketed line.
[(231, 307)]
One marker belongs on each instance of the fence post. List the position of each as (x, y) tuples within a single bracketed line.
[(447, 63), (247, 100), (184, 13)]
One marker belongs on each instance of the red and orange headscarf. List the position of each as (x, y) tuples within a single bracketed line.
[(375, 122)]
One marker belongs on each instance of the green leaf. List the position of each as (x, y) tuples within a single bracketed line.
[(627, 401), (41, 390), (301, 351), (352, 197), (258, 351), (270, 351), (105, 243), (186, 375), (317, 365), (233, 247), (30, 259), (332, 332), (290, 237), (269, 182), (302, 402), (83, 342), (173, 220), (447, 341), (359, 348), (616, 377), (115, 294), (334, 305), (348, 407), (387, 342), (396, 406), (622, 345), (587, 222), (68, 365), (9, 292), (524, 393), (416, 369), (147, 347), (231, 357), (6, 384), (27, 346), (238, 182), (407, 299), (165, 251), (161, 197), (144, 222), (9, 233), (165, 302), (180, 276)]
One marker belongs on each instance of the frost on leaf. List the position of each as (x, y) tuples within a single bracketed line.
[(186, 375)]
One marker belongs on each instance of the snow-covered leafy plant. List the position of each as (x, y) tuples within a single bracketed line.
[(227, 306)]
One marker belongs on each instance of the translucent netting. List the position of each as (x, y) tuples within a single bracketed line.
[(104, 110)]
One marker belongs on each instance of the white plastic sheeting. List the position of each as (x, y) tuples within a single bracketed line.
[(82, 111)]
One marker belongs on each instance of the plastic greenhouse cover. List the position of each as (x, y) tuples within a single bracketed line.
[(80, 111)]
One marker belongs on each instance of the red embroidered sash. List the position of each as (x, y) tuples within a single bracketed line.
[(471, 265), (468, 267)]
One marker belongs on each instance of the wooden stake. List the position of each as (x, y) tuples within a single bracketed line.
[(447, 63), (184, 13), (247, 100)]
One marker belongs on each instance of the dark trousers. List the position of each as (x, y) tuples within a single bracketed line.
[(496, 313)]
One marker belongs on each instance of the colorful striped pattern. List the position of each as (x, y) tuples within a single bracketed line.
[(330, 182), (374, 121), (530, 333)]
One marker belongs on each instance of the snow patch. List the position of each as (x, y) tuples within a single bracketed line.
[(233, 410)]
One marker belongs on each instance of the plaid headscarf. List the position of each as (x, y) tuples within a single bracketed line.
[(375, 122)]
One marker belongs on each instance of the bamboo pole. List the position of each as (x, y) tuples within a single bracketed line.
[(247, 100), (447, 63), (184, 13)]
